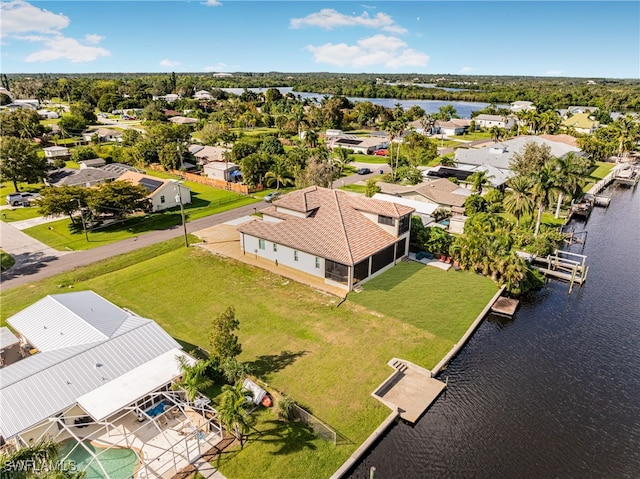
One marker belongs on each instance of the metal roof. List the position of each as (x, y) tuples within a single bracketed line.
[(42, 385), (62, 320), (7, 338)]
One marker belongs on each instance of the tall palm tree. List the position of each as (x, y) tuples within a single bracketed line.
[(627, 132), (278, 174), (546, 182), (478, 179), (311, 139), (517, 200), (233, 410), (193, 377), (427, 122), (570, 172), (342, 158)]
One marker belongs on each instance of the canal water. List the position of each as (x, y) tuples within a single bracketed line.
[(553, 392), (463, 108)]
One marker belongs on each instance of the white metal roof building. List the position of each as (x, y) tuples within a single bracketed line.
[(103, 365)]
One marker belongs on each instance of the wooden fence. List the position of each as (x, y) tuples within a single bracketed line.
[(204, 180)]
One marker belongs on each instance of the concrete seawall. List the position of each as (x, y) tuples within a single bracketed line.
[(380, 430), (465, 337)]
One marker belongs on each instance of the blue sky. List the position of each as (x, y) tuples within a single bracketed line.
[(544, 38)]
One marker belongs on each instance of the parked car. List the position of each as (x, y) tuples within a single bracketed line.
[(274, 195), (381, 152), (363, 171), (21, 199)]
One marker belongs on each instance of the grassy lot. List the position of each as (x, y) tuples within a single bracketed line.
[(18, 213), (354, 188), (329, 358), (476, 135), (372, 159), (6, 261), (205, 201), (601, 170)]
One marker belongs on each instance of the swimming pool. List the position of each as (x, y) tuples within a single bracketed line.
[(119, 462)]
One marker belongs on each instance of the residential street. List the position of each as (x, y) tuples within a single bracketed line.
[(35, 261)]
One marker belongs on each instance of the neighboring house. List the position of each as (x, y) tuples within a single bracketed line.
[(334, 133), (206, 154), (453, 127), (572, 110), (362, 145), (183, 120), (522, 105), (222, 170), (4, 91), (487, 121), (422, 209), (31, 103), (498, 155), (497, 177), (163, 193), (340, 237), (53, 152), (91, 364), (581, 123), (202, 95), (94, 163), (441, 193), (171, 97), (48, 114), (103, 134), (222, 75), (87, 177)]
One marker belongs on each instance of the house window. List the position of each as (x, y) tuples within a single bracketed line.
[(261, 243), (405, 224), (386, 220), (162, 199), (336, 271), (295, 255), (317, 263), (275, 248)]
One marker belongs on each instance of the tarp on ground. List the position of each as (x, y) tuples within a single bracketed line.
[(258, 392)]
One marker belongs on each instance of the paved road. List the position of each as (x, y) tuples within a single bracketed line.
[(43, 262), (375, 170)]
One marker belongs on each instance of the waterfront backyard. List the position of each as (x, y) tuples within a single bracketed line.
[(327, 356)]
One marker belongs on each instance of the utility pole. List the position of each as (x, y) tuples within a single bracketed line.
[(184, 224), (84, 226)]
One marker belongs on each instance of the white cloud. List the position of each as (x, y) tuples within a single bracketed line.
[(467, 69), (63, 48), (554, 72), (22, 21), (18, 17), (93, 38), (378, 50), (169, 63), (213, 3), (328, 18)]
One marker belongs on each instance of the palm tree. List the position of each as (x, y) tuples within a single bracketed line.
[(193, 377), (495, 133), (627, 133), (233, 410), (478, 179), (427, 122), (278, 174), (517, 200), (546, 182), (311, 138), (342, 158), (570, 170)]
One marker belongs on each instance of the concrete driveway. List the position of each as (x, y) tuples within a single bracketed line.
[(30, 254)]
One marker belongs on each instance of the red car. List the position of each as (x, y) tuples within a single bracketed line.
[(382, 152)]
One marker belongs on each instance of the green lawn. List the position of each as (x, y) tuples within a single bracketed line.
[(6, 261), (373, 159), (18, 213), (601, 170), (354, 188), (205, 201), (326, 356)]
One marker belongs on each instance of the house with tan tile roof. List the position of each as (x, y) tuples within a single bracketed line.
[(441, 192), (163, 193), (332, 234)]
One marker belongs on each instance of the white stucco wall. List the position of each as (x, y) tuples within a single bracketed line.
[(170, 191), (373, 217)]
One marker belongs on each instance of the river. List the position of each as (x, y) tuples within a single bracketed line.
[(552, 393), (463, 108)]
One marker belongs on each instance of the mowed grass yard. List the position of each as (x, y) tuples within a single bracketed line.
[(205, 201), (327, 357)]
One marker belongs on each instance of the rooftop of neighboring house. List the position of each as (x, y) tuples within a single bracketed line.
[(499, 154), (331, 224), (580, 120), (441, 191), (84, 342), (207, 153)]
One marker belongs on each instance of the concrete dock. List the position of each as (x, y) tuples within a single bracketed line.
[(410, 390), (505, 306)]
